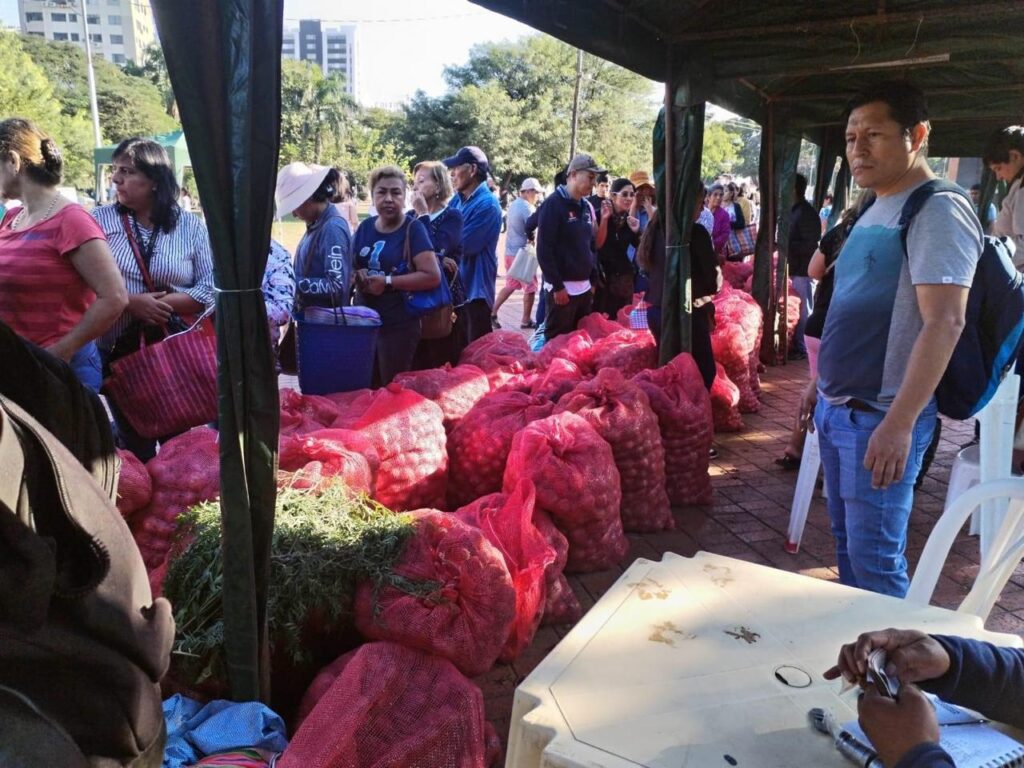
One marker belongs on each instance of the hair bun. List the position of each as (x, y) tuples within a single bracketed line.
[(52, 158)]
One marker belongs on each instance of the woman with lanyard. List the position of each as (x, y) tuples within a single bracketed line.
[(432, 189), (147, 223), (617, 232), (394, 256), (59, 285)]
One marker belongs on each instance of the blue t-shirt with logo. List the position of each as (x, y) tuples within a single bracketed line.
[(384, 254)]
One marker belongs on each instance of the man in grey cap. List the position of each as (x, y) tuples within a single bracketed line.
[(565, 248), (481, 225)]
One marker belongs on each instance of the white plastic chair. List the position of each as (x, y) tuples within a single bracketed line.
[(1004, 546), (995, 461), (810, 466)]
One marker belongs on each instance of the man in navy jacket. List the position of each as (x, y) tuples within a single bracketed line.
[(969, 673), (565, 248)]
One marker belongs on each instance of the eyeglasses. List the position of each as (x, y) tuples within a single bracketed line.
[(626, 194)]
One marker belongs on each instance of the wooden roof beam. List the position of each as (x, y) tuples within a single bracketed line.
[(738, 34), (811, 70)]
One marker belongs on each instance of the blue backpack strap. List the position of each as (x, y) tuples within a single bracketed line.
[(919, 197)]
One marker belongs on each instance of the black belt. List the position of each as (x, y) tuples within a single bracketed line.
[(859, 405)]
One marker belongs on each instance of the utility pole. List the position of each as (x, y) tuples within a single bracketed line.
[(576, 104), (91, 75)]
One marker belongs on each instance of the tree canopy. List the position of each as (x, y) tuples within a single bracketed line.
[(514, 99), (128, 106)]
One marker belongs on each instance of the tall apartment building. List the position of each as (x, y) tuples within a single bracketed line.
[(120, 30), (333, 48)]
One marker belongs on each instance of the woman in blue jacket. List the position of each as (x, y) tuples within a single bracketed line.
[(323, 258)]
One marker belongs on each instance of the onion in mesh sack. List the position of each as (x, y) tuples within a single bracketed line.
[(573, 469), (621, 413), (466, 617)]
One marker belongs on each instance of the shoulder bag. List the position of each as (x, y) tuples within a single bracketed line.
[(433, 307), (169, 385)]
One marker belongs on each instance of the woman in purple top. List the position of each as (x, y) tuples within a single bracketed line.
[(722, 229)]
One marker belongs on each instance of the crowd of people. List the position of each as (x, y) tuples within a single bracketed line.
[(880, 313)]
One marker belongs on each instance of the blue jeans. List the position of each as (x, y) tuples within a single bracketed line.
[(86, 365), (869, 525), (804, 288)]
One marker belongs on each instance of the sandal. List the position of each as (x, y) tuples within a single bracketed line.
[(528, 325), (788, 462), (494, 323)]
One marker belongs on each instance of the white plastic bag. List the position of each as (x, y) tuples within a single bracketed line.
[(524, 266)]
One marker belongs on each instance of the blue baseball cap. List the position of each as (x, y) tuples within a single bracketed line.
[(473, 155)]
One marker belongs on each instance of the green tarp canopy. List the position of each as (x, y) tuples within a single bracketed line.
[(791, 67), (173, 142)]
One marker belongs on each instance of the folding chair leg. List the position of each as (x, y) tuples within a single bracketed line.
[(810, 463)]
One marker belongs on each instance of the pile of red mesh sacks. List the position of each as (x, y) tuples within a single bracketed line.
[(539, 461)]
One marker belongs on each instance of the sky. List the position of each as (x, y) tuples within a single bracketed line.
[(403, 45)]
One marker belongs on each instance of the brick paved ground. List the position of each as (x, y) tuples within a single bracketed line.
[(749, 519)]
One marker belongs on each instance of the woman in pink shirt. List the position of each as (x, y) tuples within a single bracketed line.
[(722, 228), (59, 285)]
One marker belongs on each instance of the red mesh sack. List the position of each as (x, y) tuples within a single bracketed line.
[(407, 431), (351, 406), (735, 273), (134, 485), (185, 472), (629, 352), (739, 308), (479, 445), (725, 398), (730, 348), (621, 413), (498, 349), (575, 347), (792, 315), (388, 706), (507, 522), (598, 326), (305, 413), (455, 390), (504, 380), (560, 603), (309, 460), (467, 619), (561, 377), (683, 406), (573, 470)]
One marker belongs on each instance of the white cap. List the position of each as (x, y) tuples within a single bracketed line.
[(296, 183), (529, 184)]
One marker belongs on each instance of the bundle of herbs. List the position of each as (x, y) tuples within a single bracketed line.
[(323, 546)]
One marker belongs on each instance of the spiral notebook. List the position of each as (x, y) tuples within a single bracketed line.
[(970, 741)]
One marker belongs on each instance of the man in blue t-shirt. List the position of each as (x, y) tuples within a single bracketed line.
[(893, 322), (481, 226), (565, 248)]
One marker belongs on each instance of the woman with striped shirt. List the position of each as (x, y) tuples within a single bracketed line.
[(175, 247)]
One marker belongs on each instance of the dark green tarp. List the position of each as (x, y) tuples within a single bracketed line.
[(225, 66)]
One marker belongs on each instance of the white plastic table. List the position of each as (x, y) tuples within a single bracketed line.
[(682, 663)]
